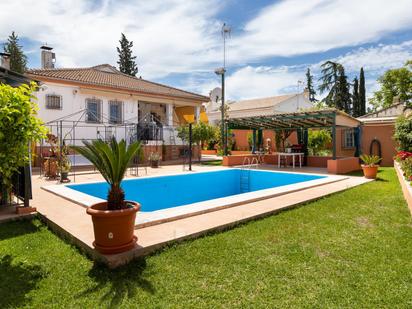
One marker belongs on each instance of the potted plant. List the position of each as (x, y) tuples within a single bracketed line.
[(370, 165), (64, 168), (50, 165), (64, 164), (154, 159), (113, 220)]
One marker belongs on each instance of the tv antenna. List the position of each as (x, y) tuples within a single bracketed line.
[(226, 31)]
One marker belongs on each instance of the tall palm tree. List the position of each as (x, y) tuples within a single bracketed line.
[(111, 160)]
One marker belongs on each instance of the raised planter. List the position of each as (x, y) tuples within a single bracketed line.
[(406, 187), (343, 165), (209, 152)]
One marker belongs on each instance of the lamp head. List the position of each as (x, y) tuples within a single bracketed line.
[(220, 71)]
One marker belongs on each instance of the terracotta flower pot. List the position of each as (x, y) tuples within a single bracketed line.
[(113, 229), (370, 171)]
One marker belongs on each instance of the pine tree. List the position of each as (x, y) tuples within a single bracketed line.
[(18, 60), (362, 93), (356, 111), (309, 85), (126, 61), (329, 81)]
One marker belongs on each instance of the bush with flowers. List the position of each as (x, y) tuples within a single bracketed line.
[(405, 160)]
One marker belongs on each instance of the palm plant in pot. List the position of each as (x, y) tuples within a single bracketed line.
[(370, 165), (113, 220)]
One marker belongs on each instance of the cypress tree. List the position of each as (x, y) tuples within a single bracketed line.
[(126, 61), (362, 93), (309, 84), (342, 99), (18, 60), (356, 110)]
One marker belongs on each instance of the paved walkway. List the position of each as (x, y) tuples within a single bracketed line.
[(71, 219)]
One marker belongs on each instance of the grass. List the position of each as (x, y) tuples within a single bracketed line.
[(349, 250), (212, 163)]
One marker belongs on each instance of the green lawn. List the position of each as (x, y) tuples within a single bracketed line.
[(350, 250), (212, 163)]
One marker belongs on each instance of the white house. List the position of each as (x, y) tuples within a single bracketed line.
[(288, 103), (100, 101)]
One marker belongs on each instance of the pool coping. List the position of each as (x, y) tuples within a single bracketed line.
[(146, 219)]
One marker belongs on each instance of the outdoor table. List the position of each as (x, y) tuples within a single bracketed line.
[(291, 154)]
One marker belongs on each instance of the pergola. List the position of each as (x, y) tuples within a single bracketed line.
[(326, 118)]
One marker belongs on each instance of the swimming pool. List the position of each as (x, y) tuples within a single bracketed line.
[(162, 192), (171, 197)]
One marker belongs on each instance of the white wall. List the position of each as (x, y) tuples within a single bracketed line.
[(294, 104), (74, 100)]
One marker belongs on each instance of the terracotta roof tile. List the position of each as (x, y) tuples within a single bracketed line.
[(108, 76)]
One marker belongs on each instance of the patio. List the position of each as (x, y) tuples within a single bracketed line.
[(332, 119), (71, 221)]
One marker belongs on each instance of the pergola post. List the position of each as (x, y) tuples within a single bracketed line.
[(254, 141), (358, 138), (334, 138), (259, 138)]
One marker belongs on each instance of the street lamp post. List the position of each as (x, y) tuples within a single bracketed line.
[(221, 72)]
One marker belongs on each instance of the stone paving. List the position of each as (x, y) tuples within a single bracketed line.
[(71, 221)]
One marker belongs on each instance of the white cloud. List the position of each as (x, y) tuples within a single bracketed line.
[(261, 81), (180, 37), (169, 36), (296, 27)]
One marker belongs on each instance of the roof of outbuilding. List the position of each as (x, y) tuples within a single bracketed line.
[(106, 75), (260, 103)]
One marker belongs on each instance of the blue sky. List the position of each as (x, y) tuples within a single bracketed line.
[(179, 42)]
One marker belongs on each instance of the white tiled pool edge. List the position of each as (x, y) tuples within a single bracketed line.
[(145, 219)]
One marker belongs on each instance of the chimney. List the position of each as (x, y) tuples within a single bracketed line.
[(48, 58), (5, 60), (306, 93)]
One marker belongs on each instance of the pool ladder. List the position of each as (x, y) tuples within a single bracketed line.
[(245, 173)]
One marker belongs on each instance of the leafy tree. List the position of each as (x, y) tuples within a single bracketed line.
[(362, 93), (403, 132), (18, 60), (18, 126), (309, 85), (281, 137), (356, 108), (334, 81), (202, 133), (126, 61), (318, 141), (396, 85)]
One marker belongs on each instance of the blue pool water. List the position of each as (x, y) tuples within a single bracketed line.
[(163, 192)]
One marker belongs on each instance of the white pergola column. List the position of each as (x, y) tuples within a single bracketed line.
[(197, 113), (169, 114)]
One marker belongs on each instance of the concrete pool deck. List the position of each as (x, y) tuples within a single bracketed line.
[(71, 221)]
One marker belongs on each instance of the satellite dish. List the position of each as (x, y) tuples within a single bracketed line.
[(215, 95)]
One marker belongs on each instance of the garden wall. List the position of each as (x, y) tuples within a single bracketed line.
[(406, 187)]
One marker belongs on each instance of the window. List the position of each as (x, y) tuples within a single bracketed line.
[(349, 138), (115, 111), (53, 101), (94, 110)]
